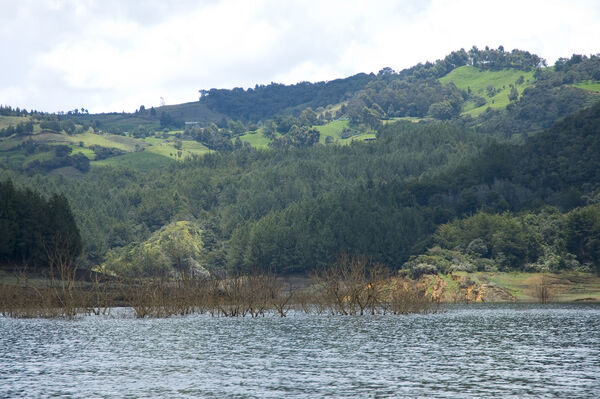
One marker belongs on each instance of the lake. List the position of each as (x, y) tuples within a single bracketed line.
[(507, 350)]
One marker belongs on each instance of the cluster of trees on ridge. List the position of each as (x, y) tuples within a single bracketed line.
[(7, 110), (264, 102)]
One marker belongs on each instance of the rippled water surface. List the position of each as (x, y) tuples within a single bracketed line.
[(466, 351)]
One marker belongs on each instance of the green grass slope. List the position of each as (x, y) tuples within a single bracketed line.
[(124, 143), (334, 129), (331, 129), (589, 86), (144, 161), (6, 121), (256, 139), (476, 82), (168, 148)]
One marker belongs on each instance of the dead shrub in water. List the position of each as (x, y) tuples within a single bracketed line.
[(279, 297), (354, 285), (331, 290), (231, 297), (99, 297), (152, 297), (253, 294), (405, 298), (47, 298), (56, 296), (543, 290), (22, 300), (62, 272)]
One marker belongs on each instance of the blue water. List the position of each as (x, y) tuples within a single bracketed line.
[(466, 351)]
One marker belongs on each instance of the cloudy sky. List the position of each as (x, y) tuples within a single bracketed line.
[(115, 55)]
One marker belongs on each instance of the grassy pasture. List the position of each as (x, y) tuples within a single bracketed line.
[(333, 129), (143, 161), (123, 121), (567, 286), (166, 148), (142, 153), (256, 139), (9, 144), (589, 85), (82, 150), (6, 121), (469, 77), (157, 150), (107, 140), (40, 156)]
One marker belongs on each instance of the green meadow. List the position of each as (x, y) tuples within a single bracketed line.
[(256, 139), (6, 121), (166, 148), (589, 85), (333, 129), (477, 81), (123, 143), (143, 161), (82, 150)]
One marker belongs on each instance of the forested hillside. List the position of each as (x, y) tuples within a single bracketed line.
[(116, 206), (489, 145), (390, 220)]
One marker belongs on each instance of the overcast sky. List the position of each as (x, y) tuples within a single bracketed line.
[(115, 55)]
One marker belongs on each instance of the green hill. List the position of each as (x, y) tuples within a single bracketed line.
[(492, 91), (445, 144)]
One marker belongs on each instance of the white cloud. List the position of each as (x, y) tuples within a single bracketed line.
[(116, 55)]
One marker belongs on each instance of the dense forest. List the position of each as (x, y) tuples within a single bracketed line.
[(454, 174), (392, 219), (34, 228)]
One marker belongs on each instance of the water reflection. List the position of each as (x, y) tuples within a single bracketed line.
[(466, 351)]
